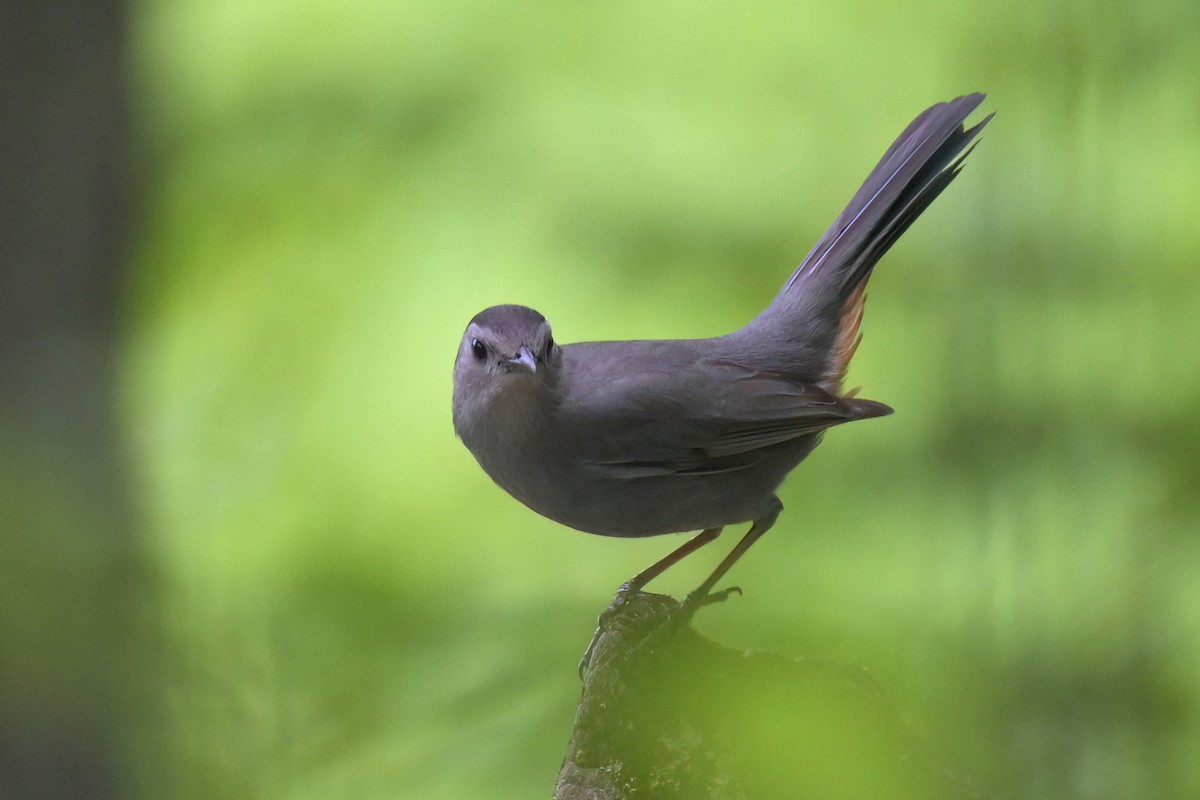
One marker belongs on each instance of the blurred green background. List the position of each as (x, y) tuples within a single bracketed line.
[(339, 603)]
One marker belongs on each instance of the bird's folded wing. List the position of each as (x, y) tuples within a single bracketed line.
[(716, 417)]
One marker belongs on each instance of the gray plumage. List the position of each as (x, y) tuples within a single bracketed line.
[(638, 438)]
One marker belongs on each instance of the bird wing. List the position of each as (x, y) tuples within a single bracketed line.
[(711, 416)]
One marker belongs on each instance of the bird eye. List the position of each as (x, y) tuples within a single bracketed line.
[(479, 349)]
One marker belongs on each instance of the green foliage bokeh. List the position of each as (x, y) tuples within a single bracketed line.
[(351, 609)]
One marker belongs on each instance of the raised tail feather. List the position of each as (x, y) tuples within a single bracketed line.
[(821, 304)]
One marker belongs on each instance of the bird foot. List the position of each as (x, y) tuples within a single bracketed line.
[(699, 599), (645, 616)]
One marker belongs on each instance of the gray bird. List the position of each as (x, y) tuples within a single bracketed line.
[(640, 438)]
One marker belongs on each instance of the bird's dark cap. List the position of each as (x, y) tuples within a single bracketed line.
[(509, 320)]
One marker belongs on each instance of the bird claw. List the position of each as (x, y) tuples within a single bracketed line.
[(586, 659), (679, 615), (698, 599), (624, 593)]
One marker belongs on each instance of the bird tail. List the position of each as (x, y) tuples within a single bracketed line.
[(821, 305)]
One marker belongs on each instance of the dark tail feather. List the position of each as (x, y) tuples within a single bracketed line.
[(914, 170), (814, 318)]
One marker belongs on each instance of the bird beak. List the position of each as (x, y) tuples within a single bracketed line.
[(523, 362)]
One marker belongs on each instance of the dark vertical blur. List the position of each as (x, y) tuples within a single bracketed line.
[(70, 563)]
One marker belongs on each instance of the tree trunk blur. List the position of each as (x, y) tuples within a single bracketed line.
[(670, 715), (69, 565)]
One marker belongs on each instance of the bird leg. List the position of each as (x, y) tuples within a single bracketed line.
[(701, 596), (675, 556), (631, 587)]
